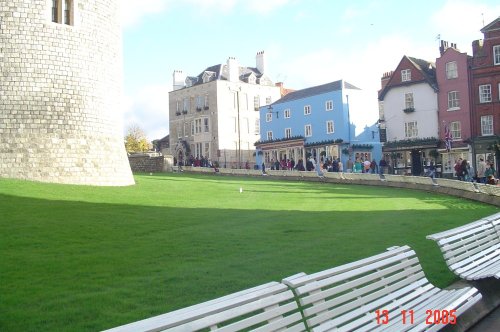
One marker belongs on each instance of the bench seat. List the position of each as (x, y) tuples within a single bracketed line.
[(348, 297), (472, 251), (269, 307)]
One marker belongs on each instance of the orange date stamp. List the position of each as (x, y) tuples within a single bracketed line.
[(432, 317)]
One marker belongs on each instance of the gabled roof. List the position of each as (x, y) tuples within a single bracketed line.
[(426, 68), (316, 90), (495, 25)]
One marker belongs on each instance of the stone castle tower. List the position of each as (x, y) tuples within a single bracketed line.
[(60, 92)]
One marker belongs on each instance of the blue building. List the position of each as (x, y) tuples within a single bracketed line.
[(315, 122)]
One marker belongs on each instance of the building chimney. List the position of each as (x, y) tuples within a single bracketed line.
[(179, 79), (233, 70), (477, 48), (385, 78), (260, 62), (443, 47)]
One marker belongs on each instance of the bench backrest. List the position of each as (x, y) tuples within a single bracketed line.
[(347, 296), (270, 307), (467, 248)]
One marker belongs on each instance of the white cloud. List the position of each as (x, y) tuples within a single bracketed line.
[(148, 108), (460, 21), (132, 12)]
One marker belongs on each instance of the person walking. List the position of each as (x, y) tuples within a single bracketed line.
[(481, 169)]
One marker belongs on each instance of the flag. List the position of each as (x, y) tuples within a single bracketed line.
[(447, 137)]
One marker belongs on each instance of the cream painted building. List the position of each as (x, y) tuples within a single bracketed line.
[(215, 115)]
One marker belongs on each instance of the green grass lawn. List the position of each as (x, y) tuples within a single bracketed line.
[(76, 258)]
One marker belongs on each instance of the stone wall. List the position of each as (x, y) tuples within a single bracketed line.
[(60, 90), (143, 163)]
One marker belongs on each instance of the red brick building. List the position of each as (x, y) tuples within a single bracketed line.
[(485, 92)]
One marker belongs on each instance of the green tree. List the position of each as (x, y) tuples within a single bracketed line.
[(135, 139)]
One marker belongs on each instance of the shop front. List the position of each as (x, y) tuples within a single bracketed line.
[(414, 159)]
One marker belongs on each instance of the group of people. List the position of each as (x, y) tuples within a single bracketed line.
[(330, 164), (485, 171)]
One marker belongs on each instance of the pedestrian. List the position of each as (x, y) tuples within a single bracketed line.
[(432, 170), (481, 168), (350, 165)]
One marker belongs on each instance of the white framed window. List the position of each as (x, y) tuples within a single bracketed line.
[(307, 109), (197, 126), (496, 55), (199, 102), (485, 93), (178, 105), (288, 132), (198, 150), (269, 117), (329, 105), (287, 113), (269, 135), (192, 128), (451, 70), (256, 103), (257, 127), (308, 130), (186, 129), (207, 150), (185, 104), (455, 130), (206, 125), (453, 101), (206, 102), (63, 12), (409, 100), (411, 129), (487, 125), (268, 100), (329, 127), (405, 75)]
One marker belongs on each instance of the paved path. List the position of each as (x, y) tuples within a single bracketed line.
[(490, 323)]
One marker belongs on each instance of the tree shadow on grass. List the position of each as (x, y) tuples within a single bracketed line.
[(91, 266)]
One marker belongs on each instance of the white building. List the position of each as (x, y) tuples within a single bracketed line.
[(409, 115), (215, 115)]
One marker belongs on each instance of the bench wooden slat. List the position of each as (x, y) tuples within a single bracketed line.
[(308, 278), (216, 311), (359, 316), (473, 250), (346, 285), (346, 297)]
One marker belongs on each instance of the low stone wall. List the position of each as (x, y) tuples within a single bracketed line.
[(146, 163), (473, 191)]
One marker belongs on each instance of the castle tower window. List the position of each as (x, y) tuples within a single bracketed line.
[(62, 11), (67, 12), (55, 11)]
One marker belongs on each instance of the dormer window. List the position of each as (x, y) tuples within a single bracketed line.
[(405, 75), (207, 76)]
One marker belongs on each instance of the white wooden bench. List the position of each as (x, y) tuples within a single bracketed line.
[(371, 294), (269, 307), (472, 251)]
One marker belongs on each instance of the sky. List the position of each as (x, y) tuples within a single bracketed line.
[(306, 43)]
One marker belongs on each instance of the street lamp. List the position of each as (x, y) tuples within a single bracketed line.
[(270, 111)]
